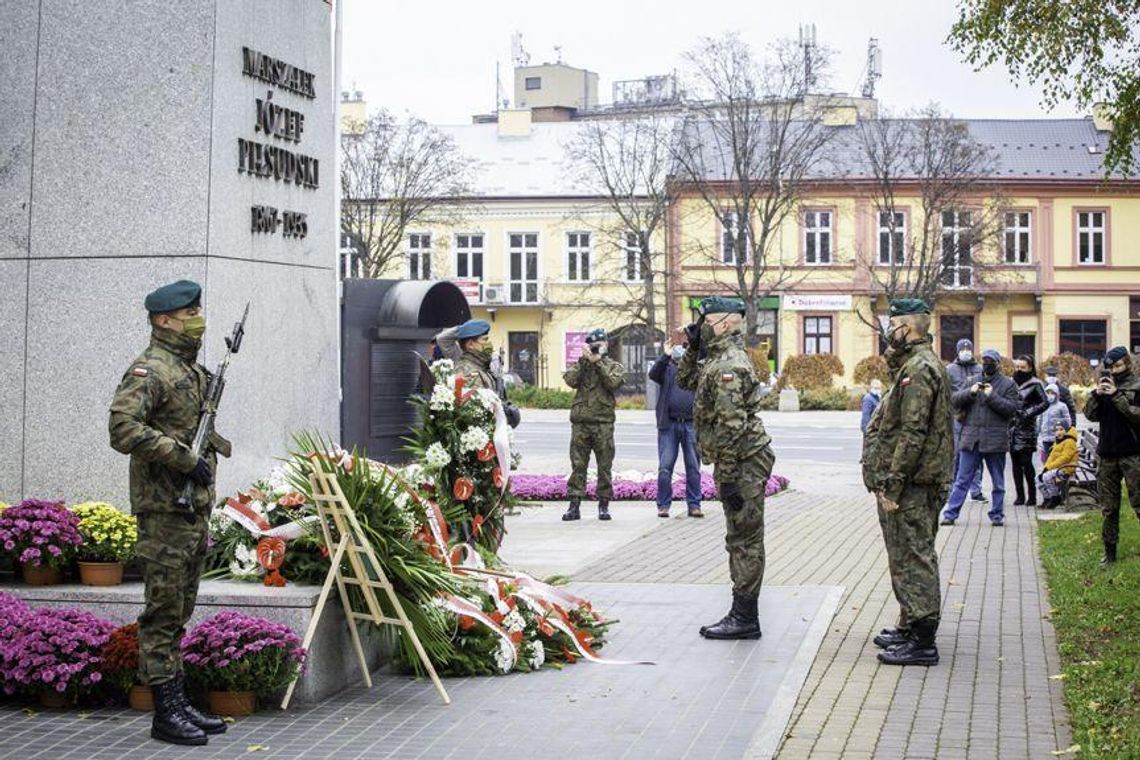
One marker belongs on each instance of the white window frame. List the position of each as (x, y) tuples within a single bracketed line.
[(419, 255), (1092, 231), (524, 281), (818, 336), (1018, 242), (960, 221), (897, 240), (468, 253), (729, 229), (818, 233), (632, 250), (576, 254)]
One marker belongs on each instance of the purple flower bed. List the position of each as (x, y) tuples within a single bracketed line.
[(39, 532), (235, 652), (44, 649), (553, 487)]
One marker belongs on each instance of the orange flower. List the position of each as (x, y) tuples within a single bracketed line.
[(497, 477), (497, 617), (517, 637), (487, 453), (291, 500), (463, 489), (271, 552), (477, 525), (466, 622), (461, 396)]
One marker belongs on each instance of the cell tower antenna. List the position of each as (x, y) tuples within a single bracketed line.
[(519, 56), (874, 67), (808, 43)]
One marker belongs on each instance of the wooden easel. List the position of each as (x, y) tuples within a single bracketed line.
[(364, 571)]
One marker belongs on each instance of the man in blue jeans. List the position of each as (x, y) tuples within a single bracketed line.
[(964, 371), (675, 430)]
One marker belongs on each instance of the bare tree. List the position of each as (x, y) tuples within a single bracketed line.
[(750, 147), (395, 175), (952, 241), (625, 163)]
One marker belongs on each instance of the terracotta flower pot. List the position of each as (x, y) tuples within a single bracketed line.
[(41, 575), (141, 698), (53, 699), (101, 573), (233, 702)]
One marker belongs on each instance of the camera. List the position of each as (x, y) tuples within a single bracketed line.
[(1105, 373), (595, 349)]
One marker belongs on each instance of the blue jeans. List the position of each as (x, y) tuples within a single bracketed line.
[(969, 463), (976, 484), (680, 435)]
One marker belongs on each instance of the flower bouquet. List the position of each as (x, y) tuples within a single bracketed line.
[(109, 539), (56, 653), (238, 658), (42, 536)]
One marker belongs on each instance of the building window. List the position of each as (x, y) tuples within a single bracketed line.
[(633, 257), (419, 256), (1084, 337), (469, 256), (1017, 237), (578, 256), (892, 237), (1090, 237), (957, 249), (817, 335), (733, 246), (951, 329), (523, 262), (534, 83), (817, 237)]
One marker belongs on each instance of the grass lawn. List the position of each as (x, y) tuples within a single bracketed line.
[(1097, 616)]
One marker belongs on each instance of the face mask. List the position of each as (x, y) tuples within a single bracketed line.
[(876, 392), (965, 356), (1021, 376), (678, 352), (194, 327), (1052, 397), (486, 352), (707, 333), (989, 369)]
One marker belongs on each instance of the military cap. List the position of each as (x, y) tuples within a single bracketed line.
[(597, 335), (1115, 354), (901, 307), (473, 328), (175, 296), (721, 305)]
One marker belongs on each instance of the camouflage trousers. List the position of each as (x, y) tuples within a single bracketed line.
[(1108, 476), (744, 528), (909, 533), (172, 553), (596, 437)]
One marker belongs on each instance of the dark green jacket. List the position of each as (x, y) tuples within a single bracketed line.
[(154, 416), (476, 370), (594, 383), (726, 404), (910, 440)]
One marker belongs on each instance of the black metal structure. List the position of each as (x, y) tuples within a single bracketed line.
[(384, 324)]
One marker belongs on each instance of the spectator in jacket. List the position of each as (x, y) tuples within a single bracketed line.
[(964, 371), (989, 404), (870, 402), (1023, 429), (1055, 416), (1051, 378), (1115, 404), (675, 431), (1060, 466)]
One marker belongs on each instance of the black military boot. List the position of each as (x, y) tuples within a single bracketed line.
[(742, 621), (170, 723), (210, 724), (604, 509), (572, 512), (918, 649), (1109, 555), (891, 637)]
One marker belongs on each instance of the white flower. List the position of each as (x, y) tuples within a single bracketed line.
[(436, 456), (442, 397), (504, 657), (536, 654), (245, 562), (278, 481), (513, 621), (473, 439), (442, 367)]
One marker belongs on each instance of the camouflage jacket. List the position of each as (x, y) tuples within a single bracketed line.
[(476, 371), (594, 383), (154, 416), (910, 439), (726, 404)]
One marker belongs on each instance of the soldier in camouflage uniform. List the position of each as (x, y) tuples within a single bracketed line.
[(908, 456), (594, 377), (731, 436), (472, 341), (154, 416)]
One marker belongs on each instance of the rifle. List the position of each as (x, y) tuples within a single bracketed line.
[(210, 407)]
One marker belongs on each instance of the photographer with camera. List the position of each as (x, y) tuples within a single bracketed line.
[(988, 404), (1115, 404)]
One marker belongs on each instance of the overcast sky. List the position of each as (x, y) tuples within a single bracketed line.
[(436, 58)]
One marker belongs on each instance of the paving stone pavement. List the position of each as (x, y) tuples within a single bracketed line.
[(991, 696)]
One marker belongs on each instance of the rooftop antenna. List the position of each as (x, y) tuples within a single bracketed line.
[(519, 56), (874, 67), (807, 42), (558, 53)]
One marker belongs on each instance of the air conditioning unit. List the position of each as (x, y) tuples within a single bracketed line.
[(494, 293)]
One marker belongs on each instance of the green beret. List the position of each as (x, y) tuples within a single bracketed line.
[(902, 306), (175, 296), (721, 305)]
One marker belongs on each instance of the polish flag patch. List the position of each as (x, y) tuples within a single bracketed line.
[(140, 372), (727, 377), (904, 382)]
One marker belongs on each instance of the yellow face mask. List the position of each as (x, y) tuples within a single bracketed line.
[(194, 327)]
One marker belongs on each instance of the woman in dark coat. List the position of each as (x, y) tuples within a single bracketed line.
[(1023, 428)]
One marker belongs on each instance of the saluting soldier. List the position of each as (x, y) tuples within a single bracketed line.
[(154, 417), (476, 361), (908, 458), (731, 435)]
